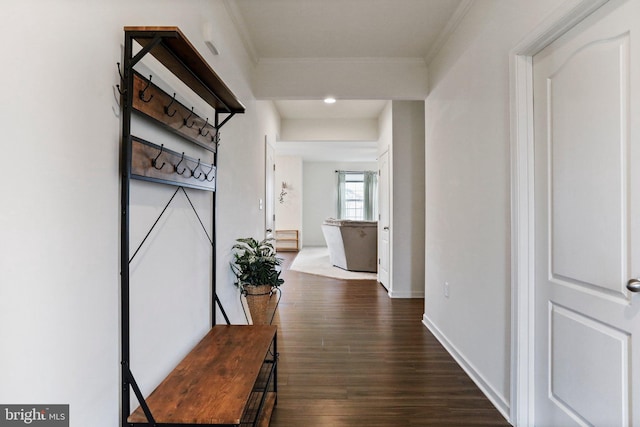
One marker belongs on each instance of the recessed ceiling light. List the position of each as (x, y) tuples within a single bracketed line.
[(329, 100)]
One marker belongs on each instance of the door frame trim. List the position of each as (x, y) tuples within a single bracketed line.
[(389, 286), (566, 16), (267, 146)]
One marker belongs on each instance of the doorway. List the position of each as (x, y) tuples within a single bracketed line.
[(547, 374)]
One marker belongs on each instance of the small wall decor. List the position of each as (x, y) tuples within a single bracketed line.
[(283, 192)]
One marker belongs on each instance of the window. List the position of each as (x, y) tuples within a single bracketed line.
[(354, 196), (357, 195)]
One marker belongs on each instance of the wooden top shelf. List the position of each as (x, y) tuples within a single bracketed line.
[(180, 57), (213, 382)]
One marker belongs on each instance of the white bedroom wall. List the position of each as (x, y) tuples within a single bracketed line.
[(468, 189), (320, 196), (59, 222)]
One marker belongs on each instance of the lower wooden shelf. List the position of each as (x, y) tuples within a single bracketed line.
[(270, 403), (287, 241), (229, 378), (259, 411)]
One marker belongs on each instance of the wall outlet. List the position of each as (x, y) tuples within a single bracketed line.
[(446, 289)]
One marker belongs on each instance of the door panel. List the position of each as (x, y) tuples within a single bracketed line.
[(587, 195), (578, 344), (588, 174)]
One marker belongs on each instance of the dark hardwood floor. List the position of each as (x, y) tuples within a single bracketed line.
[(351, 356)]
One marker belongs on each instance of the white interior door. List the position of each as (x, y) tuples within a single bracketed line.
[(587, 222), (270, 179), (384, 209)]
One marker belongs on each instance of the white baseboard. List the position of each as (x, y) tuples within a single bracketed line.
[(496, 398), (406, 294)]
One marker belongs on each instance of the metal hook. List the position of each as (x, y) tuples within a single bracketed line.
[(119, 72), (176, 166), (195, 169), (141, 94), (206, 175), (185, 120), (216, 138), (166, 109), (122, 92), (204, 126), (154, 161)]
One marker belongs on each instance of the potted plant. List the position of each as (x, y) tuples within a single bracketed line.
[(257, 272)]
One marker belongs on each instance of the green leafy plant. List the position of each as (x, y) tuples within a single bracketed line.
[(255, 263)]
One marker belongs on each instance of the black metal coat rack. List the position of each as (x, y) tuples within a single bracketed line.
[(151, 162)]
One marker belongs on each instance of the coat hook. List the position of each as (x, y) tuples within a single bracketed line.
[(166, 109), (141, 94), (187, 119), (204, 126), (155, 161), (122, 92), (215, 138), (193, 171), (120, 72), (176, 166), (206, 175)]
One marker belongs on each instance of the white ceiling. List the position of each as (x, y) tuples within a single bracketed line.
[(343, 28), (329, 29), (342, 109)]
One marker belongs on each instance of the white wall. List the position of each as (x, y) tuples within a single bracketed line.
[(269, 125), (320, 196), (401, 130), (341, 130), (59, 222), (269, 121), (385, 129), (408, 201), (467, 189), (289, 211)]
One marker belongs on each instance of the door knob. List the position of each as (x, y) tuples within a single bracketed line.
[(385, 228), (633, 285)]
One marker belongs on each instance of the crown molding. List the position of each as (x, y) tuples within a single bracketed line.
[(449, 29), (345, 60)]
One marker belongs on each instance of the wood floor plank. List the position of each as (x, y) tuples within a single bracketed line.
[(352, 356)]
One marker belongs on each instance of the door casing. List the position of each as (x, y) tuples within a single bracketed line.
[(561, 20), (269, 196), (385, 246)]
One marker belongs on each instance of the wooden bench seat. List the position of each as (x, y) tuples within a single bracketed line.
[(216, 381)]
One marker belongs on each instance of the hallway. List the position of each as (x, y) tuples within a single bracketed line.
[(352, 356)]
